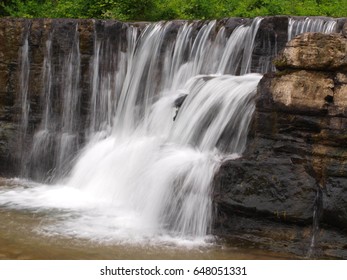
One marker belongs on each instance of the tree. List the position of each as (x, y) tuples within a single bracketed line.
[(154, 10)]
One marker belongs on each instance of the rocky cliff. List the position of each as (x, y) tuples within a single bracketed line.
[(294, 171)]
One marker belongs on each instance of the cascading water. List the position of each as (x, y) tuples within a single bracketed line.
[(24, 84), (317, 213), (156, 179), (108, 71), (43, 139), (68, 141), (302, 25), (57, 140), (145, 172)]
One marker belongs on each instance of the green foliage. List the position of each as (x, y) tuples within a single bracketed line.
[(27, 9), (130, 9), (154, 10)]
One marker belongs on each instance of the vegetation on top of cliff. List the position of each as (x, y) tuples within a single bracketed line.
[(154, 10)]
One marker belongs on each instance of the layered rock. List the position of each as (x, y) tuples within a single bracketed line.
[(11, 40), (295, 164), (14, 142), (315, 51)]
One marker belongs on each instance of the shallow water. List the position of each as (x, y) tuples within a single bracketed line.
[(28, 234), (19, 240)]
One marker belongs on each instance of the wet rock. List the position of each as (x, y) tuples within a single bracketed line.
[(13, 33), (179, 101), (335, 200), (271, 37), (290, 239), (344, 30), (8, 140), (275, 188)]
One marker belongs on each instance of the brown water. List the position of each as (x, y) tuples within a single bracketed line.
[(21, 238), (18, 240)]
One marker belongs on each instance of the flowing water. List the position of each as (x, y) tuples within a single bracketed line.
[(24, 84), (45, 231), (153, 180), (144, 175), (298, 26)]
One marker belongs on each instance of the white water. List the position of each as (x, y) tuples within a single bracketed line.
[(143, 176), (56, 140), (24, 88), (312, 24), (156, 181)]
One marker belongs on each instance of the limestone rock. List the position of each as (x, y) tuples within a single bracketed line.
[(315, 51), (341, 78), (340, 96), (302, 90), (344, 30)]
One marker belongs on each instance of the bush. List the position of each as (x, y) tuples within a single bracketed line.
[(154, 10)]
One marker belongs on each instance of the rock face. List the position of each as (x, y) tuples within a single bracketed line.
[(11, 40), (296, 160), (15, 142), (325, 52)]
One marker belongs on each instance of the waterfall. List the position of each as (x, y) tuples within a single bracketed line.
[(43, 140), (147, 167), (238, 49), (57, 140), (108, 70), (24, 83), (317, 213), (68, 142), (153, 181), (24, 90), (297, 26), (154, 166)]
